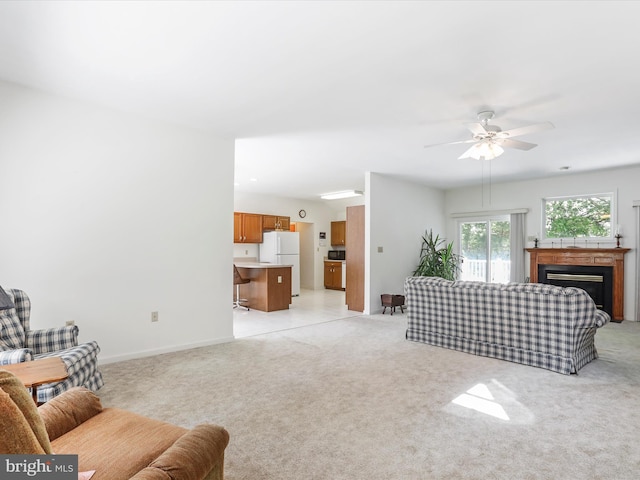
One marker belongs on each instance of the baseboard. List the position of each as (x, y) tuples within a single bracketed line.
[(159, 351)]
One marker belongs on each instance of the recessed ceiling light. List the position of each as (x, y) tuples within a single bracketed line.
[(343, 194), (253, 179)]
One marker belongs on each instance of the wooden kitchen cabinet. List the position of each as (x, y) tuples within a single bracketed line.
[(269, 288), (333, 275), (275, 222), (338, 233), (247, 228), (285, 223)]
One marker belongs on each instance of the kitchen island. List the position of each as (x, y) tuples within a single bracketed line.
[(270, 286)]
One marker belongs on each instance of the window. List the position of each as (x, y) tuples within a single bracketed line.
[(485, 246), (585, 216)]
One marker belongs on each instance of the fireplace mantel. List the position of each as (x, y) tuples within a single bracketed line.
[(613, 257)]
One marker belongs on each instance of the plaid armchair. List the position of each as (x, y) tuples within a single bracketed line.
[(18, 343)]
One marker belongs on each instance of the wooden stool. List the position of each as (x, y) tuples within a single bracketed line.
[(237, 281), (392, 301)]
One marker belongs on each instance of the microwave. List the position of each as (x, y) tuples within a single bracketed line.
[(336, 255)]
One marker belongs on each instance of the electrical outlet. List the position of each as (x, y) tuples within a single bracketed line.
[(70, 323), (279, 278), (154, 316)]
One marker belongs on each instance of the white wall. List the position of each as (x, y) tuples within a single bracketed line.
[(529, 194), (108, 217), (397, 215), (339, 206)]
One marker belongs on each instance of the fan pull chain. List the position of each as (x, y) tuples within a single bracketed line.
[(490, 182), (483, 194), (482, 190)]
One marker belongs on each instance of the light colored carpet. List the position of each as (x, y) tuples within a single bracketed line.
[(352, 399)]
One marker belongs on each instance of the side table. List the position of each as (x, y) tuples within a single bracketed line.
[(38, 372), (392, 301)]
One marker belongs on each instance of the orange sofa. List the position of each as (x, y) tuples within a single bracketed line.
[(117, 444)]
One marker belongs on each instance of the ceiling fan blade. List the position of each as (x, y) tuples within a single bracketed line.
[(476, 128), (471, 140), (514, 132), (520, 145), (466, 154)]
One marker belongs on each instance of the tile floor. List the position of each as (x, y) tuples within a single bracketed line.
[(310, 307)]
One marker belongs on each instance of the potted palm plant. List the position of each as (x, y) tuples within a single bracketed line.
[(437, 259)]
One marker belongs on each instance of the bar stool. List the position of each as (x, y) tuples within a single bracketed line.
[(237, 281)]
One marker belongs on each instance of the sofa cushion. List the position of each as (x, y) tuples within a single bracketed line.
[(64, 413), (5, 300), (23, 430), (104, 443), (12, 334), (542, 288)]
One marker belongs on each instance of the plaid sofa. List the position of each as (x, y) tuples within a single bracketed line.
[(18, 343), (530, 323)]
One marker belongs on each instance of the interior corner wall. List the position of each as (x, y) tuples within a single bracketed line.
[(529, 194), (109, 217), (399, 213)]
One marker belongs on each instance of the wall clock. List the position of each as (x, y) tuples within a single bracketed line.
[(302, 213)]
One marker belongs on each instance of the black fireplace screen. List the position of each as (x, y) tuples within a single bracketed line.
[(597, 281)]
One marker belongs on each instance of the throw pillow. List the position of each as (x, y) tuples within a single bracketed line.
[(23, 431), (12, 334), (5, 300)]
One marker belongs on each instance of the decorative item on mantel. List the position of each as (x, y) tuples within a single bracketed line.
[(618, 236)]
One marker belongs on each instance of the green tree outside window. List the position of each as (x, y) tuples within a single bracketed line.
[(578, 217), (473, 238)]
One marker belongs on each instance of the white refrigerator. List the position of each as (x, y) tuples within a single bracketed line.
[(283, 248)]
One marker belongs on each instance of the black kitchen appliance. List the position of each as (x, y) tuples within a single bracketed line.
[(336, 255)]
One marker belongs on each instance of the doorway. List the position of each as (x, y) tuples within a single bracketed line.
[(307, 256)]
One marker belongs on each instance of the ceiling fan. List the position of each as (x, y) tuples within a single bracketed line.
[(489, 140)]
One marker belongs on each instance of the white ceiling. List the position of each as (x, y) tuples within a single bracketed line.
[(317, 93)]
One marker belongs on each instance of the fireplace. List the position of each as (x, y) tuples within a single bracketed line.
[(596, 281), (563, 261)]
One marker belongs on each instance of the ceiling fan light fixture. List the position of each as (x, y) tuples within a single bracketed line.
[(490, 140), (486, 151)]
